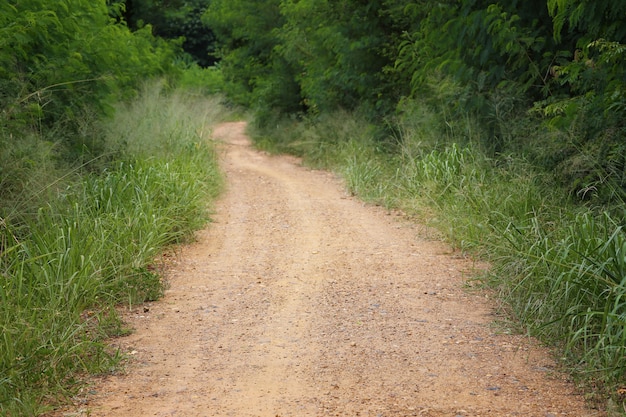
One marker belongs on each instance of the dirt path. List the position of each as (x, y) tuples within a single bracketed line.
[(302, 301)]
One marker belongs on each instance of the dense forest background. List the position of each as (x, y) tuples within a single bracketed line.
[(500, 122)]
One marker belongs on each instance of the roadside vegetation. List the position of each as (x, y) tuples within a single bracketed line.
[(96, 243), (103, 164)]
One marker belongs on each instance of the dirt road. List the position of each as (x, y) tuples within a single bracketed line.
[(302, 301)]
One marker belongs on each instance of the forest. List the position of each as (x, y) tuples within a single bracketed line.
[(500, 123)]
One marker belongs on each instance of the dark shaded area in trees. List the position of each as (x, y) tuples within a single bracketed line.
[(172, 19)]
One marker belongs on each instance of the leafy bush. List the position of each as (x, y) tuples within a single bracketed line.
[(59, 58), (175, 19), (497, 60)]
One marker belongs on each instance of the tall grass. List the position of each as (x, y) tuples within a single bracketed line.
[(569, 284), (560, 268), (64, 268)]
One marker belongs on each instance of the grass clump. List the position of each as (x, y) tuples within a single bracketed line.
[(568, 284), (67, 260), (559, 267)]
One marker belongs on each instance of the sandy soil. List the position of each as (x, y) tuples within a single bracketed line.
[(302, 301)]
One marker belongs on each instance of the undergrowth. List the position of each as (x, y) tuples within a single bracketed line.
[(93, 242), (560, 267)]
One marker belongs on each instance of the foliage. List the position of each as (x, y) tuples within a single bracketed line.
[(303, 56), (85, 211), (588, 21), (593, 113), (245, 30), (561, 58), (174, 19), (61, 59), (337, 49), (204, 80), (569, 286)]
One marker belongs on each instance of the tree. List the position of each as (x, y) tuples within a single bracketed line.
[(338, 48), (304, 55), (246, 35)]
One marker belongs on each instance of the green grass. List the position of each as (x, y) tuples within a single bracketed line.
[(67, 264), (206, 80), (569, 284), (560, 268)]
